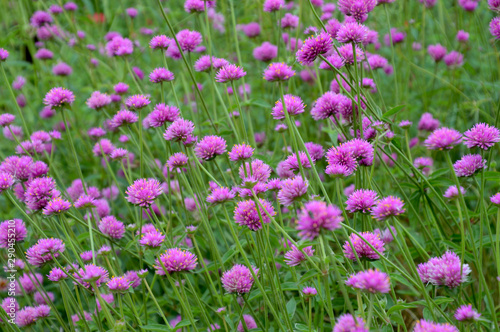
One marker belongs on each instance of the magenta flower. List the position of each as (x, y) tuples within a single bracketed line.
[(192, 6), (372, 281), (39, 192), (189, 40), (425, 326), (203, 64), (386, 207), (247, 319), (294, 256), (26, 317), (357, 9), (246, 214), (347, 54), (137, 102), (361, 248), (56, 206), (289, 21), (293, 164), (278, 71), (386, 235), (56, 275), (220, 195), (444, 271), (59, 97), (229, 73), (111, 227), (118, 285), (347, 323), (466, 313), (259, 170), (6, 119), (265, 52), (119, 46), (443, 138), (161, 114), (62, 69), (293, 105), (495, 199), (272, 6), (469, 165), (428, 123), (177, 160), (309, 291), (160, 42), (4, 54), (160, 75), (292, 190), (437, 52), (452, 192), (362, 200), (122, 118), (143, 192), (16, 227), (316, 216), (152, 239), (103, 148), (179, 130), (462, 36), (454, 59), (241, 152), (314, 47), (329, 104), (175, 260), (6, 181), (341, 161), (352, 32), (210, 147), (481, 135), (45, 250), (91, 274), (315, 150), (239, 279)]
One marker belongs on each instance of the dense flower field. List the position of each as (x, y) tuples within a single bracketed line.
[(251, 165)]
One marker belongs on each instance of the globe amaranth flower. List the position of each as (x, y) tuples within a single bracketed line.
[(160, 42), (62, 69), (329, 104), (437, 52), (361, 248), (341, 161), (289, 21), (177, 160), (466, 313), (119, 46), (347, 54), (210, 147), (6, 181), (175, 260), (152, 238), (39, 192), (265, 52), (372, 281), (454, 59), (386, 235), (143, 192), (313, 47), (57, 274), (362, 200), (229, 73), (443, 138), (118, 285), (180, 130), (495, 27), (446, 270), (348, 323), (192, 6), (123, 117), (361, 149), (137, 102), (247, 214), (56, 206), (352, 32), (159, 75), (161, 114), (59, 97), (91, 274), (240, 152), (293, 164), (239, 279), (469, 164), (357, 9), (481, 135), (278, 71), (427, 122), (45, 250), (273, 5), (292, 190), (316, 216), (112, 227), (294, 256), (9, 227), (495, 199), (425, 326), (293, 105), (386, 207), (103, 148), (309, 292), (220, 195), (257, 168), (315, 151), (452, 192), (189, 40)]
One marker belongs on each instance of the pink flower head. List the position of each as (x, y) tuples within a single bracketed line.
[(160, 42), (91, 274), (137, 102), (352, 33), (247, 319), (273, 5), (4, 54), (495, 199), (247, 214), (210, 147), (189, 40), (437, 52), (119, 46), (289, 21), (313, 47), (316, 216), (112, 227), (241, 152), (292, 190), (425, 326), (362, 200), (469, 165), (293, 105), (444, 271), (443, 138), (179, 130), (220, 195), (387, 207), (481, 135), (257, 168), (466, 313), (229, 73), (278, 71), (160, 75), (372, 281), (45, 250), (452, 192), (294, 256), (454, 59), (361, 248), (348, 323), (265, 52), (59, 97), (428, 123), (238, 279), (175, 260), (56, 206), (143, 192), (9, 227), (118, 285)]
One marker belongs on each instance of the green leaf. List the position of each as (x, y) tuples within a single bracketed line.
[(291, 306), (182, 323), (155, 327), (393, 111)]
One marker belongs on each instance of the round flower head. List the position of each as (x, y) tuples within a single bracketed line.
[(494, 5), (59, 97), (62, 69), (309, 291), (56, 275), (210, 147), (469, 165), (16, 227), (160, 42), (119, 46), (437, 52), (292, 190), (229, 73), (481, 135), (495, 199), (265, 52), (179, 130), (313, 47), (428, 123), (329, 104), (273, 5), (278, 71), (26, 317), (294, 256), (352, 32), (98, 100), (160, 75), (347, 54), (4, 54), (238, 279), (177, 160), (175, 260), (152, 239), (372, 281), (466, 313), (462, 36), (220, 195), (161, 114), (6, 119), (45, 250), (6, 181), (316, 216), (118, 285), (241, 152), (259, 170), (341, 159), (246, 214), (454, 59), (111, 227), (452, 192), (444, 270), (123, 117), (361, 200), (293, 164), (293, 105), (189, 40), (315, 150), (348, 323), (56, 206), (91, 274), (357, 9), (137, 102), (289, 21), (388, 207), (361, 248), (426, 326), (443, 138), (39, 192), (143, 192)]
